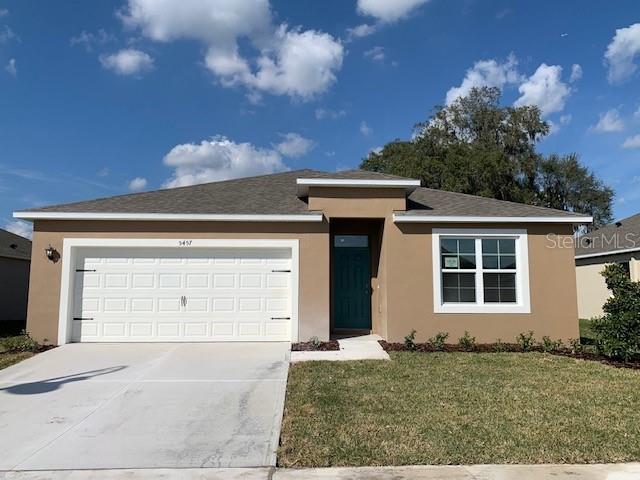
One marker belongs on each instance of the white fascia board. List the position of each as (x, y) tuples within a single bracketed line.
[(464, 219), (305, 183), (166, 217), (605, 254)]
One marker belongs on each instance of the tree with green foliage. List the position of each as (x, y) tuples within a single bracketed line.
[(479, 147), (618, 331)]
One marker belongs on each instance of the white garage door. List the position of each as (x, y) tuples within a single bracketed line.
[(156, 295)]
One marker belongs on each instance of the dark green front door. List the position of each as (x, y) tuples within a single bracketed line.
[(351, 282)]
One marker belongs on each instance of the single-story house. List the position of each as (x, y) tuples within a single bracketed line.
[(289, 256), (615, 243), (15, 257)]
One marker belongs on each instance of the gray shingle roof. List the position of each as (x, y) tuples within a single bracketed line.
[(430, 202), (622, 235), (14, 246), (263, 195), (276, 194)]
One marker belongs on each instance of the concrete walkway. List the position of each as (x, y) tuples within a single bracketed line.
[(628, 471), (365, 347)]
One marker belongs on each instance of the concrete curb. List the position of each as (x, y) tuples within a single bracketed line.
[(356, 348)]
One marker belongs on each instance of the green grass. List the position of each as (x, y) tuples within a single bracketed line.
[(7, 359), (460, 408)]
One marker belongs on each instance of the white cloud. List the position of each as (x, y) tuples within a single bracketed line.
[(376, 54), (565, 119), (295, 62), (576, 73), (365, 129), (637, 112), (609, 121), (294, 145), (137, 184), (103, 172), (219, 159), (6, 34), (388, 10), (128, 61), (632, 142), (4, 12), (325, 113), (621, 53), (486, 73), (24, 229), (544, 89), (11, 67), (88, 39), (360, 31)]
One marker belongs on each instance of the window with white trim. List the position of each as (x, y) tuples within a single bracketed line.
[(480, 271)]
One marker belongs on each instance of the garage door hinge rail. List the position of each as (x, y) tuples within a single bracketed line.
[(280, 271), (83, 318), (83, 270), (280, 318)]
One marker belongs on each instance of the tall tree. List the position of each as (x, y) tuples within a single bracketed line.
[(479, 147)]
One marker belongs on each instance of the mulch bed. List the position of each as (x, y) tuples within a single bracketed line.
[(510, 347), (311, 347)]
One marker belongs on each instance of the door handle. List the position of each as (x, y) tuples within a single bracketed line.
[(183, 301)]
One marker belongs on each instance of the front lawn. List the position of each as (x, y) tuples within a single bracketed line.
[(9, 358), (460, 408)]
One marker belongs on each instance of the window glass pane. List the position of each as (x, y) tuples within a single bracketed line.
[(448, 245), (350, 241), (499, 287), (508, 246), (468, 261), (489, 246), (466, 245), (489, 261), (508, 261), (458, 287)]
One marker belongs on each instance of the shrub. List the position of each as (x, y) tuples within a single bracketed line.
[(437, 342), (410, 340), (547, 345), (467, 342), (315, 341), (618, 330), (20, 343), (499, 346), (576, 346), (525, 340)]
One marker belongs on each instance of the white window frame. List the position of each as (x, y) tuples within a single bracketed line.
[(523, 300)]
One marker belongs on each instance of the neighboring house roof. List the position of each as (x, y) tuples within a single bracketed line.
[(277, 194), (14, 246), (619, 237)]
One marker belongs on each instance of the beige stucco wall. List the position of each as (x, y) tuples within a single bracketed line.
[(402, 291), (313, 306), (592, 290), (551, 280)]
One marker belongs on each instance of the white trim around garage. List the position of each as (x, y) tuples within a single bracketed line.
[(72, 245), (399, 218), (162, 217)]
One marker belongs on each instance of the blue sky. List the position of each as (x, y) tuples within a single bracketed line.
[(102, 98)]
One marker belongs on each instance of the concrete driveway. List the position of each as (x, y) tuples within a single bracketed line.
[(94, 406)]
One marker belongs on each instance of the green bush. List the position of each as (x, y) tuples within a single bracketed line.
[(19, 343), (467, 342), (437, 342), (410, 340), (576, 346), (499, 346), (526, 341), (547, 345), (618, 330)]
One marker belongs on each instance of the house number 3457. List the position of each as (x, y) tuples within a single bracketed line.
[(184, 243)]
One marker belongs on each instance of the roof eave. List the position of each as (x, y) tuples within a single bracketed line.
[(169, 217), (399, 218), (408, 185)]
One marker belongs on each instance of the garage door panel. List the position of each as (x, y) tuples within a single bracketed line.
[(176, 295)]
